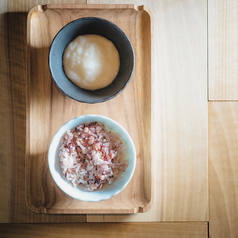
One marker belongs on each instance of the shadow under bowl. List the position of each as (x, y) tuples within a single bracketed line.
[(86, 26)]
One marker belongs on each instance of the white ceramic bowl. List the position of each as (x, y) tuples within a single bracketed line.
[(107, 190)]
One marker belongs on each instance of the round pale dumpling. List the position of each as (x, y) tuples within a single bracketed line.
[(91, 61)]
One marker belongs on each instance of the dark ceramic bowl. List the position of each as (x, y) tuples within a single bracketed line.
[(97, 26)]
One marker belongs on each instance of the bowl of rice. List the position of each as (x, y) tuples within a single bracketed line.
[(92, 158), (91, 60)]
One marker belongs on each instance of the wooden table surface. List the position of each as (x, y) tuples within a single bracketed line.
[(195, 116)]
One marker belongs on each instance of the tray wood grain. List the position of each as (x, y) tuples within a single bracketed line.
[(48, 109)]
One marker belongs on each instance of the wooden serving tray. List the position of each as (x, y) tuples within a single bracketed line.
[(48, 109)]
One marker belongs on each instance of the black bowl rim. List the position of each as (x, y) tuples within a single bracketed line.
[(98, 100)]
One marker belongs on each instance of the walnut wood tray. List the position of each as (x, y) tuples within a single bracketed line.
[(48, 109)]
